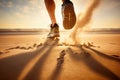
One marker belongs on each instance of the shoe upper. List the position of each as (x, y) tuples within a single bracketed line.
[(54, 31), (66, 2), (54, 28)]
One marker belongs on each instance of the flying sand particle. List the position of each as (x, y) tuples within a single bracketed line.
[(83, 20)]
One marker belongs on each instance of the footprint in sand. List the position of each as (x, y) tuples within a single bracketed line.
[(116, 56), (37, 46), (60, 60), (1, 52)]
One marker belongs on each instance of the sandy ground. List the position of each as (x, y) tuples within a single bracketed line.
[(32, 57)]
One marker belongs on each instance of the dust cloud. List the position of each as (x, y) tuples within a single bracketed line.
[(83, 19)]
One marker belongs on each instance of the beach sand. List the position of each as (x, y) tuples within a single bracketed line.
[(33, 57)]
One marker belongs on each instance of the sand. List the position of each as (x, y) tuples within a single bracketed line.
[(33, 57)]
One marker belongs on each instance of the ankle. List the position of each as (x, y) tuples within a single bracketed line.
[(54, 25), (63, 0)]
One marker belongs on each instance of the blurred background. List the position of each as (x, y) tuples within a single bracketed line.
[(22, 14)]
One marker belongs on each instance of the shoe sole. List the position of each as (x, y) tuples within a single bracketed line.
[(69, 17)]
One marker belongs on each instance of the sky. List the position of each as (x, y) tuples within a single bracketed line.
[(33, 14)]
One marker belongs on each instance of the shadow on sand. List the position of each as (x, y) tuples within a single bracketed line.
[(105, 55), (58, 69), (11, 67), (56, 72), (94, 65), (34, 74)]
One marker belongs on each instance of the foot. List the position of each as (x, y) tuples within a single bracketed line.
[(54, 32), (68, 14)]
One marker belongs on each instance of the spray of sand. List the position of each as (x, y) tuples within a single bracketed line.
[(83, 20)]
